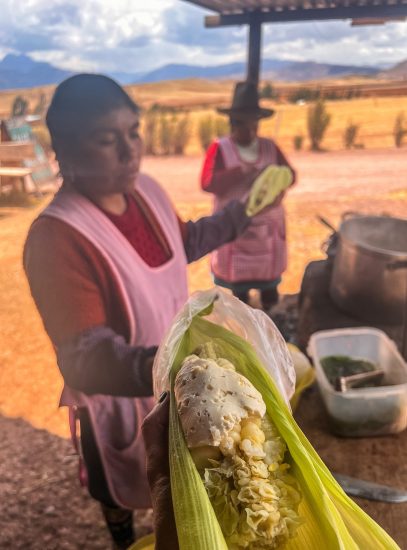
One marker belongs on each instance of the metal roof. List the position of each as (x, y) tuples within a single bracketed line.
[(237, 12)]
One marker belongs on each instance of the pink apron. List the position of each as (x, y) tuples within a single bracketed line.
[(152, 297), (260, 253)]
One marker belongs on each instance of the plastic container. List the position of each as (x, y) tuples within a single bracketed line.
[(364, 411)]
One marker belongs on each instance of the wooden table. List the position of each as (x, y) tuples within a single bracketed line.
[(381, 460)]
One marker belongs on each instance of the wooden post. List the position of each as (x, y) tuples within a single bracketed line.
[(253, 64)]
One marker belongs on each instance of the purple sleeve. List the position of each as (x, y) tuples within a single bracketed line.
[(100, 361), (211, 232)]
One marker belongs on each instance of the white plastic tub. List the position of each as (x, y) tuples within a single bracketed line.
[(365, 411)]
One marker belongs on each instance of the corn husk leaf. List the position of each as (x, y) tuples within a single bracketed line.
[(331, 519), (145, 543), (305, 374), (266, 188)]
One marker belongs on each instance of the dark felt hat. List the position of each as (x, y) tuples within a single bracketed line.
[(245, 103)]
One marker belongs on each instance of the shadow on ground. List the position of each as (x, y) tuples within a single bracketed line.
[(42, 506)]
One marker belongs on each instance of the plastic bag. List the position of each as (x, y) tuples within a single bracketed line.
[(252, 325), (331, 519)]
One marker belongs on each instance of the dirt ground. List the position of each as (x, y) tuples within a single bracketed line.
[(41, 505)]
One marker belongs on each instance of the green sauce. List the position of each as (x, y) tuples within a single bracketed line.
[(336, 366)]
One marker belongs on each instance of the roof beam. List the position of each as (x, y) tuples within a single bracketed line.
[(309, 14), (254, 54)]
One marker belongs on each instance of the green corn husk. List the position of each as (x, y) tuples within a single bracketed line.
[(332, 520), (266, 188)]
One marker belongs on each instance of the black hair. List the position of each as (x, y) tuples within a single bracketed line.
[(80, 99)]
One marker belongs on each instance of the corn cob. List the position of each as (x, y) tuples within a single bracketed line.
[(237, 451)]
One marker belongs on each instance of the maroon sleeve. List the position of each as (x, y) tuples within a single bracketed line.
[(211, 232), (100, 361)]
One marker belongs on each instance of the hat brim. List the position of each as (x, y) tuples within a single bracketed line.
[(244, 114)]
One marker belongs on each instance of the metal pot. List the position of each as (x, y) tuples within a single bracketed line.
[(365, 280)]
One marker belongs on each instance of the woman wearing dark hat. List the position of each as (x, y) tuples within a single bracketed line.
[(257, 259)]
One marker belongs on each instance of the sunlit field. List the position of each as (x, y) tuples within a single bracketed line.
[(375, 116)]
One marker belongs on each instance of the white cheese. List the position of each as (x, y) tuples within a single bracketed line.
[(212, 400)]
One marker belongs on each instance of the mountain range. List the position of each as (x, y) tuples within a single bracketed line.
[(21, 71)]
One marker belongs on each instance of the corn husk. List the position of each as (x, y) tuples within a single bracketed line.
[(266, 188), (305, 374), (145, 543), (331, 519)]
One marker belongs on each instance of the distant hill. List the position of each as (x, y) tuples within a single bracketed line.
[(271, 68), (398, 72), (20, 71)]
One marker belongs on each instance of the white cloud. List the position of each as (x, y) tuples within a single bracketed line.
[(337, 42), (141, 35)]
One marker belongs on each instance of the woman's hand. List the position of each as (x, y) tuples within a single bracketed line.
[(155, 435), (279, 199)]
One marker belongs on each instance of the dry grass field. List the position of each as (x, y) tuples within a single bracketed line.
[(375, 116)]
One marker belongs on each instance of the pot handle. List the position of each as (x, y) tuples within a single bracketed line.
[(325, 222)]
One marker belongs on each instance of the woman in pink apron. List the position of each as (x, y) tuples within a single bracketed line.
[(106, 263), (257, 259)]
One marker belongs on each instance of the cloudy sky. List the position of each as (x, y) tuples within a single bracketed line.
[(140, 35)]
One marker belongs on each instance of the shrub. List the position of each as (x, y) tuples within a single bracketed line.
[(166, 133), (267, 92), (150, 131), (221, 126), (206, 131), (182, 133), (349, 136), (318, 121), (298, 141), (399, 130)]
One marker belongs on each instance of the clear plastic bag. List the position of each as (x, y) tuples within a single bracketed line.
[(252, 325)]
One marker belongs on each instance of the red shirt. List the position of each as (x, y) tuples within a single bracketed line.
[(138, 231)]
